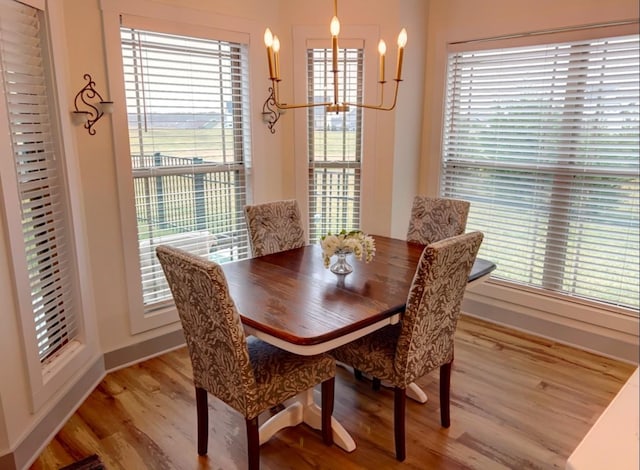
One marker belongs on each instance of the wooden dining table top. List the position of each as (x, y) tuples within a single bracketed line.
[(291, 296)]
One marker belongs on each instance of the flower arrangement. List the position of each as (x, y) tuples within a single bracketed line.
[(355, 241)]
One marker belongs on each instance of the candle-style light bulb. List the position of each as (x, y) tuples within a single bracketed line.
[(334, 27), (268, 41), (382, 47), (402, 41), (276, 55), (268, 38), (402, 38), (382, 50)]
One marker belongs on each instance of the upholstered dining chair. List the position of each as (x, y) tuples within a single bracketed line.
[(246, 373), (423, 339), (434, 219), (274, 226)]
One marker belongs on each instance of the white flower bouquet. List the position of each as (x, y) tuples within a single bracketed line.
[(355, 241)]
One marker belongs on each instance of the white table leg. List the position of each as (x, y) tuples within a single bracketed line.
[(413, 391), (303, 409), (416, 393)]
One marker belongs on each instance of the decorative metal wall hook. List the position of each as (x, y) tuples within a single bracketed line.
[(90, 106)]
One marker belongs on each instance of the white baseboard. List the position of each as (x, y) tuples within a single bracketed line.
[(129, 355), (30, 447), (619, 343)]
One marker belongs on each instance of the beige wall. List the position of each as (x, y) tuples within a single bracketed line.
[(408, 118), (13, 379)]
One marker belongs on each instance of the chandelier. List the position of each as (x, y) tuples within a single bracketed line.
[(273, 107)]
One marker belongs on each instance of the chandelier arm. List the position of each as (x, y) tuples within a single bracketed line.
[(302, 105), (276, 100), (379, 107), (382, 93)]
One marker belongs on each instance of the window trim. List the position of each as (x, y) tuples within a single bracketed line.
[(46, 380), (317, 166), (588, 32), (512, 304), (154, 15), (551, 277)]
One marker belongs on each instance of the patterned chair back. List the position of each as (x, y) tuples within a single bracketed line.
[(433, 305), (212, 327), (274, 226), (434, 219)]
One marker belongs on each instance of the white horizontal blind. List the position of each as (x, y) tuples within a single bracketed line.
[(544, 143), (39, 178), (335, 147), (188, 123)]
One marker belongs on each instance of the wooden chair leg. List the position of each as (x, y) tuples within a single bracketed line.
[(445, 392), (375, 384), (253, 443), (328, 389), (399, 406), (202, 410)]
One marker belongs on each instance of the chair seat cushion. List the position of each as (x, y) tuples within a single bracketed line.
[(373, 354), (281, 375)]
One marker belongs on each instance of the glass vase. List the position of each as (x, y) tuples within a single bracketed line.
[(341, 266)]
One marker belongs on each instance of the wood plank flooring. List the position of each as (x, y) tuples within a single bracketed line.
[(517, 402)]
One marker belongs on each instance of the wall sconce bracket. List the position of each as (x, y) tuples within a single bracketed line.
[(89, 106), (270, 111)]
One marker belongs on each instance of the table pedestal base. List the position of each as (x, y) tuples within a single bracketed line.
[(416, 393), (413, 391), (303, 409)]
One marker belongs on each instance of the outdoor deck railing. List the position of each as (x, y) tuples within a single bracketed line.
[(186, 194)]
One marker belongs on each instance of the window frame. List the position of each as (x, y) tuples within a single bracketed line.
[(535, 310), (357, 36), (168, 182), (47, 378), (349, 150), (151, 15)]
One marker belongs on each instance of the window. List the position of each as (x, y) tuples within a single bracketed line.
[(38, 182), (543, 141), (188, 135), (39, 178), (335, 148)]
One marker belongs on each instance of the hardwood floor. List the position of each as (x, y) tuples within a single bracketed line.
[(517, 402)]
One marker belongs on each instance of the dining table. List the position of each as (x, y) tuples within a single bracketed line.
[(291, 300)]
